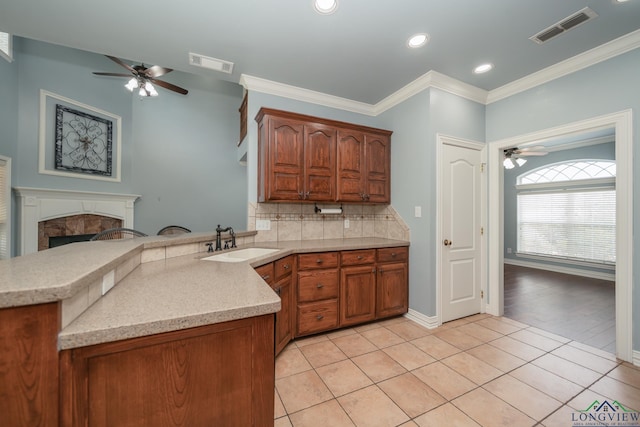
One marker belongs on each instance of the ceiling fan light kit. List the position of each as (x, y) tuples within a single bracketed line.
[(514, 156), (143, 78)]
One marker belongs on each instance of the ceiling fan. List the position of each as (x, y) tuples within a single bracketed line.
[(514, 156), (143, 77)]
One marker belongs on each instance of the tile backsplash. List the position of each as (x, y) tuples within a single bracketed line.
[(298, 221)]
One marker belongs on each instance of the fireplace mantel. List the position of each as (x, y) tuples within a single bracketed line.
[(40, 204)]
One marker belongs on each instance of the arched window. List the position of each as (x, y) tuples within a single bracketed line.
[(574, 170), (567, 211)]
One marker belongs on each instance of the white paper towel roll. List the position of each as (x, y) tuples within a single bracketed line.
[(331, 211)]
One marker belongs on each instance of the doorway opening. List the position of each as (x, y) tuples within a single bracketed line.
[(621, 125)]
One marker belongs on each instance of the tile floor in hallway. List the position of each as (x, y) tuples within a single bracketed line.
[(477, 371)]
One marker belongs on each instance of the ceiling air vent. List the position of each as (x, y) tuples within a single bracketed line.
[(210, 63), (565, 25)]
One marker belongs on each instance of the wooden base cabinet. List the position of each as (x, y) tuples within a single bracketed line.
[(392, 282), (318, 291), (357, 287), (216, 375), (29, 365)]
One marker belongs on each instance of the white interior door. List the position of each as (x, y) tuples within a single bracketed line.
[(461, 250)]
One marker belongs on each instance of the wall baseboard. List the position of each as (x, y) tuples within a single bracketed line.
[(559, 269), (429, 322), (636, 358)]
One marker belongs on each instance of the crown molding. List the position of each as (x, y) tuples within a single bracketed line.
[(433, 79), (258, 84), (579, 62), (429, 80)]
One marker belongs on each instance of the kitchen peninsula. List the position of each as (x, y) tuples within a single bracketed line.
[(176, 338)]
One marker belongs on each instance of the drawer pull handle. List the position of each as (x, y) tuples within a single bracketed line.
[(359, 256), (278, 290), (319, 261), (319, 286), (393, 254), (266, 277), (319, 317), (286, 266)]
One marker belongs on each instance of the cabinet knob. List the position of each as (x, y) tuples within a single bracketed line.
[(306, 195), (319, 261), (319, 317), (374, 270), (278, 290), (286, 266), (265, 277), (381, 271), (359, 257), (393, 254), (300, 195), (319, 286)]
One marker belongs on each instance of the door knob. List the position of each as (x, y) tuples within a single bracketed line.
[(447, 242)]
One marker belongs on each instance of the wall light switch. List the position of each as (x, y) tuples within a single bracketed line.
[(108, 281), (263, 224), (509, 250), (346, 223), (417, 211)]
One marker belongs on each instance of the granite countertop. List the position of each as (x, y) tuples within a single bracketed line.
[(158, 296)]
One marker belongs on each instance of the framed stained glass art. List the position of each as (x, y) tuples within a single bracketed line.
[(78, 140), (83, 142)]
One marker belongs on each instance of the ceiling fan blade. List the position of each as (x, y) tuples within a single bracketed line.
[(122, 64), (156, 71), (531, 153), (112, 74), (169, 86)]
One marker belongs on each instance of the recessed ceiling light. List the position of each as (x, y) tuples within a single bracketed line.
[(325, 7), (418, 40), (483, 68)]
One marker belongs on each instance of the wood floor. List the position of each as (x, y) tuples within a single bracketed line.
[(579, 308)]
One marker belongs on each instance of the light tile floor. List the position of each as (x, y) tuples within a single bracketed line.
[(481, 370)]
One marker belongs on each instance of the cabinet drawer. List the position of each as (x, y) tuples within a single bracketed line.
[(367, 256), (266, 272), (317, 260), (317, 317), (317, 285), (393, 254), (283, 267)]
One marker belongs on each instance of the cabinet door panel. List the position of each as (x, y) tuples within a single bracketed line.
[(392, 290), (357, 295), (378, 155), (350, 165), (320, 162), (283, 327), (286, 157)]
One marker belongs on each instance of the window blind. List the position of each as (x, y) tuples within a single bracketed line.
[(4, 209), (574, 224)]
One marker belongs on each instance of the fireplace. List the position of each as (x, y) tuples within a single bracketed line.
[(47, 213), (73, 228)]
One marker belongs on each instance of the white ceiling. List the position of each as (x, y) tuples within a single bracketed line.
[(358, 53)]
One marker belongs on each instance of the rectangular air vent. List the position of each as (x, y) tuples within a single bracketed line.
[(565, 25), (210, 63)]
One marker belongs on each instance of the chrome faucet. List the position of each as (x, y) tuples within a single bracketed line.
[(220, 230)]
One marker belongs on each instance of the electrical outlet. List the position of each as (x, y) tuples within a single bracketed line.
[(346, 223), (509, 250), (263, 224), (417, 211), (108, 281)]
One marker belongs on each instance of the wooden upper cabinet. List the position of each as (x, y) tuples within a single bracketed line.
[(319, 163), (304, 158)]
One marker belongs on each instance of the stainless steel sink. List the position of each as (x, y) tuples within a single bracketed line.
[(240, 255)]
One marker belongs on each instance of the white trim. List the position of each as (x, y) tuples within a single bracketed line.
[(579, 62), (42, 143), (40, 204), (429, 322), (559, 269), (442, 140), (592, 184), (8, 55), (580, 144), (623, 124), (569, 261), (261, 85), (636, 357), (434, 79), (7, 189)]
